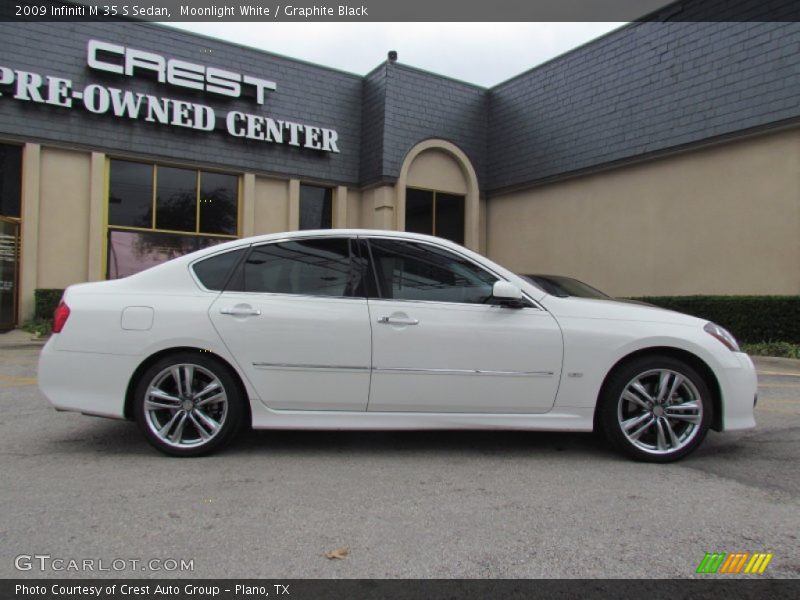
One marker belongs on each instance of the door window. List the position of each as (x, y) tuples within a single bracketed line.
[(313, 267), (414, 271)]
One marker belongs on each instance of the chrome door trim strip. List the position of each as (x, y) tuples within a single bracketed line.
[(310, 367), (464, 372), (306, 367)]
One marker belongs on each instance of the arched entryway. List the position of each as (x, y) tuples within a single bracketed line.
[(438, 193)]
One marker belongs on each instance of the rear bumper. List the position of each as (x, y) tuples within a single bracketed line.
[(85, 382), (739, 387)]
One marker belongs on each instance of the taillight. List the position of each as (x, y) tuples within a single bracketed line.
[(60, 316)]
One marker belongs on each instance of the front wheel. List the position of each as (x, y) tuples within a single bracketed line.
[(656, 409), (188, 404)]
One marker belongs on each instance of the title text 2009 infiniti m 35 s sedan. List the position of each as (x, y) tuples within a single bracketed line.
[(357, 329)]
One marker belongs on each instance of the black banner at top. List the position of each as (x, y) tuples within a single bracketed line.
[(401, 10)]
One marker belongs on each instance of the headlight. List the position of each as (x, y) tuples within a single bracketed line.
[(723, 335)]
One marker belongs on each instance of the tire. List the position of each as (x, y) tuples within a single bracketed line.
[(193, 421), (655, 409)]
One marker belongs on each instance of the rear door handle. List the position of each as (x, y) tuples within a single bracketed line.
[(240, 311), (398, 321)]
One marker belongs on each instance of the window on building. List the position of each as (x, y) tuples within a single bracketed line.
[(316, 207), (156, 213), (435, 213), (10, 180), (10, 212)]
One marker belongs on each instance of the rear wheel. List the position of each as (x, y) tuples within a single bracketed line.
[(656, 408), (188, 404)]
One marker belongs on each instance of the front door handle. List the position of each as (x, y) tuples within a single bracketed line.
[(240, 310), (398, 321)]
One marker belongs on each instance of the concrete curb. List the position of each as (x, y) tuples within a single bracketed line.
[(16, 338)]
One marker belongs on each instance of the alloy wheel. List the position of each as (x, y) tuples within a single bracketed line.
[(185, 406), (660, 411)]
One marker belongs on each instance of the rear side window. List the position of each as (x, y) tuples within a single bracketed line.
[(214, 272), (313, 267)]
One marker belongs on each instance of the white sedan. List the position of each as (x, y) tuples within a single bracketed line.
[(357, 329)]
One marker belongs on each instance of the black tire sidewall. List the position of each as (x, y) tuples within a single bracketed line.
[(233, 419), (616, 384)]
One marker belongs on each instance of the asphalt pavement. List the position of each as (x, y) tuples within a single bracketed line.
[(411, 504)]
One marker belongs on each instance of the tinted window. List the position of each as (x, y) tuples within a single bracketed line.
[(213, 272), (132, 251), (411, 271), (176, 199), (316, 207), (308, 267), (10, 180), (450, 217), (130, 194), (218, 203), (419, 211)]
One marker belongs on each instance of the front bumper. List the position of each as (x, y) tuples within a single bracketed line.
[(739, 387)]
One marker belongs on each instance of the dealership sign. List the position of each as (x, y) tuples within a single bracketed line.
[(130, 62)]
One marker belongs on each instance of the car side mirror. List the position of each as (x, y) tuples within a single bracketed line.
[(507, 294)]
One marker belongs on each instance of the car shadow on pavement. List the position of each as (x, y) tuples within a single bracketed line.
[(124, 438)]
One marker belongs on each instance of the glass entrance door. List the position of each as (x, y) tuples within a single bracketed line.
[(9, 271)]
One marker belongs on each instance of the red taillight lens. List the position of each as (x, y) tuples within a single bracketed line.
[(60, 317)]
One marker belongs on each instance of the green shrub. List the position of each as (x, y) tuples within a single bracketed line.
[(750, 319), (780, 349), (46, 301), (38, 327)]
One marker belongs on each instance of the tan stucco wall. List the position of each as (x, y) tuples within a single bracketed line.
[(353, 208), (63, 218), (378, 207), (720, 220), (271, 213), (436, 170)]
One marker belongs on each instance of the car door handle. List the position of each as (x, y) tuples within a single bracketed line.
[(398, 321), (240, 311)]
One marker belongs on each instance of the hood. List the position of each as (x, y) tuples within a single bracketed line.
[(615, 310)]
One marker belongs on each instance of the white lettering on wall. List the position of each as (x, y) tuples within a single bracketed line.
[(121, 60), (125, 104)]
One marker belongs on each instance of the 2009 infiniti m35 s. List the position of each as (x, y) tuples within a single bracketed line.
[(357, 329)]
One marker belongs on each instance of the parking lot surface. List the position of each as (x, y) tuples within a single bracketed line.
[(415, 505)]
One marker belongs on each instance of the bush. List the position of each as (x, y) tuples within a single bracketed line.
[(779, 349), (41, 328), (46, 301), (751, 319)]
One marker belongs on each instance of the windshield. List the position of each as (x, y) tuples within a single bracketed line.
[(557, 285)]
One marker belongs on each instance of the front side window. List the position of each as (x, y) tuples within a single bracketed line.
[(315, 267), (156, 213), (414, 271)]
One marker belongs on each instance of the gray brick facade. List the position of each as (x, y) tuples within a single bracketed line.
[(645, 89)]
